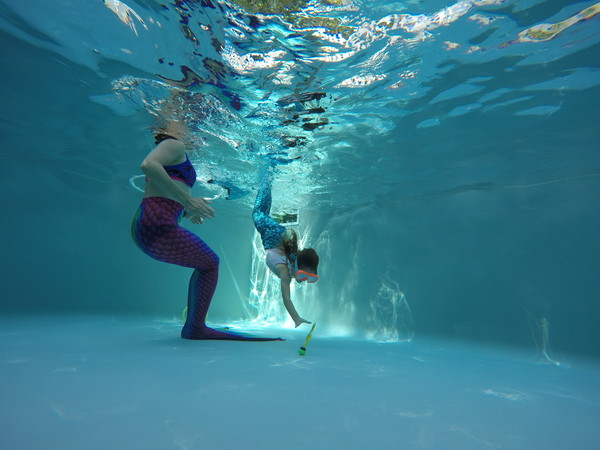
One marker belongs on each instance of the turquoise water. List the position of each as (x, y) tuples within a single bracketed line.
[(447, 173)]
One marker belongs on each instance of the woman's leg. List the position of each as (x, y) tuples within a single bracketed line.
[(164, 240)]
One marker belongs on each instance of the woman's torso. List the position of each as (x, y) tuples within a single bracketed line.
[(151, 190), (180, 171)]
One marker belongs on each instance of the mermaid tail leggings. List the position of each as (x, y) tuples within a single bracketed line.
[(156, 231), (270, 231)]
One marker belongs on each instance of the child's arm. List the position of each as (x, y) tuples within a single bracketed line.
[(285, 294)]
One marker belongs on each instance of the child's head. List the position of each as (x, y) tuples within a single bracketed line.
[(308, 260)]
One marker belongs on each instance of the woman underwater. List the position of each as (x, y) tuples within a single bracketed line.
[(283, 257), (156, 231)]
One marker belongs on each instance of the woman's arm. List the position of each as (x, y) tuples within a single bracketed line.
[(285, 279), (167, 153)]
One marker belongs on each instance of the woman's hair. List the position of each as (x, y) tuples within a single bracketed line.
[(159, 137), (168, 128), (307, 258)]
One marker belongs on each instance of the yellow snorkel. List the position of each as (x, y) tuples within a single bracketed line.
[(302, 350)]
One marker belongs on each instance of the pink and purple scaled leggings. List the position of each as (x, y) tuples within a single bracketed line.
[(156, 231)]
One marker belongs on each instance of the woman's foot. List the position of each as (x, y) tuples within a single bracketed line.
[(207, 333)]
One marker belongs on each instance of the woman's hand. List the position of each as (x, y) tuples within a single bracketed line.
[(198, 209), (195, 219)]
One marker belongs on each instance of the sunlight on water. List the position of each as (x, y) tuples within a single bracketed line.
[(390, 319), (540, 330), (265, 294)]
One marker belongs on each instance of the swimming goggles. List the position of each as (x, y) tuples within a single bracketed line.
[(301, 275)]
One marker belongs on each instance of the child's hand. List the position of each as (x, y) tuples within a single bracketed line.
[(300, 321)]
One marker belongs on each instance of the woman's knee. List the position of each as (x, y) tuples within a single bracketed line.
[(210, 262), (216, 261)]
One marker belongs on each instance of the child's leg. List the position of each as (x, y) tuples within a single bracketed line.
[(270, 231)]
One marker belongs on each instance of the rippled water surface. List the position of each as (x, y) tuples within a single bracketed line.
[(349, 88)]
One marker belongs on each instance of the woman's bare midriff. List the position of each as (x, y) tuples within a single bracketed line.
[(150, 190)]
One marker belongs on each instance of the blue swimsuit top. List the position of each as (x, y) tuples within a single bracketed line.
[(183, 172)]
